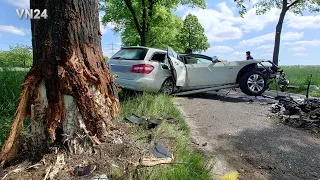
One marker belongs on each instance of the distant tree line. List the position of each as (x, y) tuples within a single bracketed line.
[(16, 56)]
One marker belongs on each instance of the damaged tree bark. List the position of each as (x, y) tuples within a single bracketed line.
[(68, 93)]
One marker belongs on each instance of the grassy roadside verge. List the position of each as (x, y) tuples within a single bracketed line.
[(192, 163), (154, 106)]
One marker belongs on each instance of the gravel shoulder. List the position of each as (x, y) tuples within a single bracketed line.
[(242, 137)]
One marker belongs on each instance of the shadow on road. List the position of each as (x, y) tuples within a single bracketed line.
[(216, 96), (277, 152)]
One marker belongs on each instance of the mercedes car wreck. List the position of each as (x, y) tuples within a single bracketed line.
[(153, 70)]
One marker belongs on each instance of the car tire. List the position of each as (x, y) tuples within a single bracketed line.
[(253, 83), (167, 86)]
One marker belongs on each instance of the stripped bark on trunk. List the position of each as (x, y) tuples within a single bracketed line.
[(68, 93)]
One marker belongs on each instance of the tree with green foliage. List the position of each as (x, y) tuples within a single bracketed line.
[(143, 16), (164, 31), (106, 58), (192, 35), (295, 6), (16, 56)]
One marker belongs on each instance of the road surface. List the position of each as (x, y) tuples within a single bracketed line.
[(242, 137)]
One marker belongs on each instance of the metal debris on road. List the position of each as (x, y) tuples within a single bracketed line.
[(302, 114)]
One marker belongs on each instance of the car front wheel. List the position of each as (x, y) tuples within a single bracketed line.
[(253, 83), (167, 86)]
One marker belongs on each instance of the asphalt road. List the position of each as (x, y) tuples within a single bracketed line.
[(242, 137)]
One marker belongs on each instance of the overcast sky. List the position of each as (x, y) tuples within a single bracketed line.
[(230, 36)]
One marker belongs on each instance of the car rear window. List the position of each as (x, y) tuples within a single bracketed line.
[(131, 54)]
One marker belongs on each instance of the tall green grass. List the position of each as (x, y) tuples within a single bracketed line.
[(10, 88), (300, 75)]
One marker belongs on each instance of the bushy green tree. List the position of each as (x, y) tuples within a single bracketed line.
[(144, 22), (16, 56), (192, 35), (295, 6)]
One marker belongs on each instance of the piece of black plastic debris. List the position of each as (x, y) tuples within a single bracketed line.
[(154, 123), (82, 171), (134, 119), (160, 151)]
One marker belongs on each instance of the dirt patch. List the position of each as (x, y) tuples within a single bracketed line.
[(117, 158)]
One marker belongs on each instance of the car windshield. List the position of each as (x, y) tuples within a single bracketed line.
[(131, 54)]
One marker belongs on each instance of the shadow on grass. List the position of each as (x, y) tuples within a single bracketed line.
[(277, 152)]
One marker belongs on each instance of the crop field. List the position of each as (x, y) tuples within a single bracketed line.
[(300, 75)]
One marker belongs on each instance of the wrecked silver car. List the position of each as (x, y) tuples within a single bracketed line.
[(154, 70)]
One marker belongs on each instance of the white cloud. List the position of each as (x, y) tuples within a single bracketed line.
[(224, 23), (220, 49), (265, 47), (267, 55), (25, 4), (270, 37), (303, 22), (12, 30), (301, 48), (217, 28), (304, 43), (104, 28), (300, 54)]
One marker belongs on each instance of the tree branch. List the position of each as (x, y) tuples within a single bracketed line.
[(292, 4), (135, 19)]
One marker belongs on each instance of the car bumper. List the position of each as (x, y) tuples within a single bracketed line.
[(142, 84)]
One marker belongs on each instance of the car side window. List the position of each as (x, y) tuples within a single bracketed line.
[(196, 60), (159, 57)]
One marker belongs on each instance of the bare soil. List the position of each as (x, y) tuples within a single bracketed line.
[(116, 158)]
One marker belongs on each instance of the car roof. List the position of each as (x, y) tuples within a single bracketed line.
[(143, 47)]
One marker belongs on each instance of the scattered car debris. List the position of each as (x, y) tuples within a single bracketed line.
[(134, 119), (302, 114), (144, 120), (101, 177), (160, 151)]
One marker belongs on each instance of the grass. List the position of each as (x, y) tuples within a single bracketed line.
[(157, 107), (154, 106), (299, 76), (10, 88)]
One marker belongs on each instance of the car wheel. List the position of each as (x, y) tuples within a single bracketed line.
[(167, 86), (253, 83)]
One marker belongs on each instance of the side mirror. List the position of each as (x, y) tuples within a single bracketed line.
[(164, 66)]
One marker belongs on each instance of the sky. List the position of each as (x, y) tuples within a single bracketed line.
[(229, 35)]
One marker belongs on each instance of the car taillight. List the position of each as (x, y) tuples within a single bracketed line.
[(142, 68)]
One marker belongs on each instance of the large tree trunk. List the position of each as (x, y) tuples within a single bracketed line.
[(68, 92), (275, 58)]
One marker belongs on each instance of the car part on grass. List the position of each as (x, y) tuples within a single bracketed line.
[(160, 151), (143, 121), (134, 119)]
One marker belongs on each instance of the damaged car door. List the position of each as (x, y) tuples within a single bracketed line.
[(204, 71), (177, 67)]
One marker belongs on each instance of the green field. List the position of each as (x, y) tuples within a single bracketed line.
[(300, 75)]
